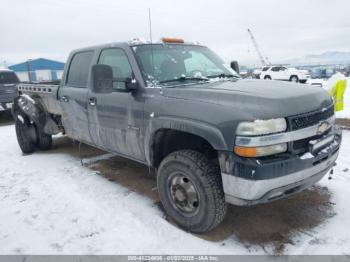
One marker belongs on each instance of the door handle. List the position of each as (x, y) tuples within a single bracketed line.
[(92, 101), (65, 99)]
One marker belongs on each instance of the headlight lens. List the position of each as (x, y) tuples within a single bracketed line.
[(261, 127), (260, 151)]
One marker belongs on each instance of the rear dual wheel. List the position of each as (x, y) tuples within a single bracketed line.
[(31, 137)]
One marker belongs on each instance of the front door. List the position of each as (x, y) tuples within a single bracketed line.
[(115, 119), (73, 95)]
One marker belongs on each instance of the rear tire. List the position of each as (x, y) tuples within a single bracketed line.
[(44, 140), (25, 132), (197, 180)]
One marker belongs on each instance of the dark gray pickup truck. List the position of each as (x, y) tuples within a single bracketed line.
[(212, 137), (8, 90)]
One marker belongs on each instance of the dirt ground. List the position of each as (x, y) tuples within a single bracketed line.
[(274, 224)]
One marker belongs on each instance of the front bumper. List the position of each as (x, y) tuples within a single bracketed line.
[(253, 181)]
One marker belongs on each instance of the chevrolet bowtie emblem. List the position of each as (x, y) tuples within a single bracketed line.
[(323, 127)]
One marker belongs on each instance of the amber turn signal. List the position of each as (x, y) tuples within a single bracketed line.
[(245, 151)]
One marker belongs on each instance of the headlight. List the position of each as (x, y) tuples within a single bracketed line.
[(261, 127), (260, 151)]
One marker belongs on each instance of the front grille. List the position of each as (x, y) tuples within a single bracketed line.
[(310, 119)]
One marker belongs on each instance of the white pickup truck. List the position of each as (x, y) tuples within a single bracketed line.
[(284, 73)]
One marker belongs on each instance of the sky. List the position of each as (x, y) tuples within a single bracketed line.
[(283, 29)]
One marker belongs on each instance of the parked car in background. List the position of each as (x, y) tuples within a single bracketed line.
[(284, 73), (8, 90)]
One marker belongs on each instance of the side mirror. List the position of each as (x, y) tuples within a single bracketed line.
[(235, 66), (131, 84), (102, 78)]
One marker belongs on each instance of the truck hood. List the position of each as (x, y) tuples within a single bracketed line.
[(256, 98)]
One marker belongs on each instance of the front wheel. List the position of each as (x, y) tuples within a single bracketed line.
[(190, 189), (294, 79)]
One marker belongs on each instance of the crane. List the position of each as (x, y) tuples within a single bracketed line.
[(264, 60)]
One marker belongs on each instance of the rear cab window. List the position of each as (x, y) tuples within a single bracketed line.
[(79, 69), (8, 78)]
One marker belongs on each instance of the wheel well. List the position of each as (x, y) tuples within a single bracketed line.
[(293, 76), (267, 76), (166, 141)]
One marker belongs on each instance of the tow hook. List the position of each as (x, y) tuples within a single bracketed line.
[(331, 172)]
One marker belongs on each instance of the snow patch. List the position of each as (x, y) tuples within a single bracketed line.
[(306, 155), (29, 98)]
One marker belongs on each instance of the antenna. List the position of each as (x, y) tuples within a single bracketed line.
[(150, 24), (150, 36)]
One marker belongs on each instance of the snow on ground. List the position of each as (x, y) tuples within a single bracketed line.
[(50, 204)]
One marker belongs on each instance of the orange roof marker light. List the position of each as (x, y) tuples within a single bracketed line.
[(172, 40)]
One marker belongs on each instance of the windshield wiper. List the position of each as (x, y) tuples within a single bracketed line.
[(223, 75), (184, 78)]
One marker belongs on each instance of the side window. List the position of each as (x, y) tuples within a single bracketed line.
[(79, 69), (117, 59), (8, 78), (275, 69)]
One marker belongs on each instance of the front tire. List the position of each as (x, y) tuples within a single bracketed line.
[(294, 79), (191, 191), (267, 77)]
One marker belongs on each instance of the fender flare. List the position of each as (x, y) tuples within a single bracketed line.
[(204, 130), (34, 111)]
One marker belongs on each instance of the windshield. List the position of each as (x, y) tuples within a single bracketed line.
[(168, 63), (8, 78)]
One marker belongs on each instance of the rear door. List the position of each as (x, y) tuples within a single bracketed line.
[(73, 95), (115, 118), (284, 73)]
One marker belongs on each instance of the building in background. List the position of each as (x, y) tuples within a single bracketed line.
[(40, 69)]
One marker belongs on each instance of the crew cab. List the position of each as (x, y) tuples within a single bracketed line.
[(284, 73), (211, 137), (8, 90)]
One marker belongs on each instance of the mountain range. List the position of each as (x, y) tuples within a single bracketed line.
[(330, 57)]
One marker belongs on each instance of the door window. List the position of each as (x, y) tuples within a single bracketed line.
[(275, 69), (79, 69), (117, 59)]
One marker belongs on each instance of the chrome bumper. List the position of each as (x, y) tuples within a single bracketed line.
[(240, 191), (263, 183)]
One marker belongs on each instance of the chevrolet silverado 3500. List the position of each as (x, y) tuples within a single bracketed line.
[(211, 137)]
